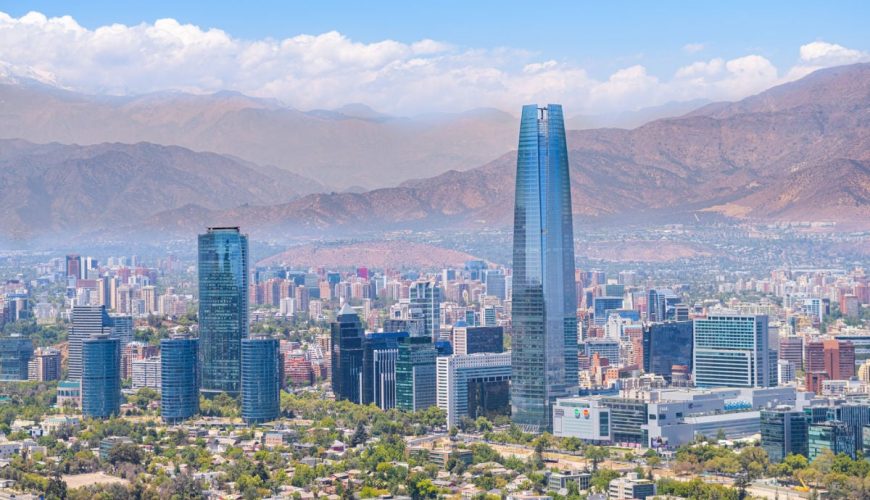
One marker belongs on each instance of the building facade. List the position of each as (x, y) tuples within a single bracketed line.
[(473, 385), (223, 308), (425, 297), (543, 300), (261, 380), (666, 345), (475, 339), (86, 322), (731, 350), (347, 355), (179, 380), (784, 431), (101, 376), (15, 355), (416, 379)]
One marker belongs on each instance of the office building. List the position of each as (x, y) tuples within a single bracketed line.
[(828, 360), (473, 385), (74, 266), (605, 349), (786, 372), (583, 418), (601, 306), (495, 284), (179, 380), (791, 348), (69, 393), (475, 339), (661, 305), (15, 355), (731, 350), (416, 379), (665, 345), (855, 415), (630, 487), (379, 368), (425, 297), (45, 365), (101, 376), (223, 308), (783, 432), (831, 435), (261, 380), (122, 328), (543, 306), (87, 321), (146, 373), (347, 355)]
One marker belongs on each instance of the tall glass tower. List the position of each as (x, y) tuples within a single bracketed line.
[(179, 384), (223, 308), (544, 304)]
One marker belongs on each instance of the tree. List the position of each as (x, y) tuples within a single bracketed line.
[(597, 454), (56, 489), (483, 424), (125, 453), (359, 436)]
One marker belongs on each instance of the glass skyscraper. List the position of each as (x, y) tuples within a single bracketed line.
[(179, 381), (544, 303), (665, 345), (86, 322), (416, 378), (101, 376), (348, 348), (223, 308), (261, 380)]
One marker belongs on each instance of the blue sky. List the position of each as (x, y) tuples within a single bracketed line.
[(600, 39)]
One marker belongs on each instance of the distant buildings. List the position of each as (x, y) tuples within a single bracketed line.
[(15, 355), (146, 373), (425, 297), (381, 353), (732, 350), (261, 380), (631, 486), (544, 321), (87, 321), (179, 380), (101, 378), (828, 360), (45, 365)]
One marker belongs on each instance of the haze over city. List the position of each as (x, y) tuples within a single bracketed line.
[(560, 251)]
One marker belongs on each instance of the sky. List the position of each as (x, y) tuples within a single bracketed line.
[(411, 57)]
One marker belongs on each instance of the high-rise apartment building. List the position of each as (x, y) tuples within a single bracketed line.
[(146, 373), (347, 341), (731, 350), (45, 365), (179, 380), (223, 308), (791, 348), (101, 376), (261, 380), (828, 360), (543, 307)]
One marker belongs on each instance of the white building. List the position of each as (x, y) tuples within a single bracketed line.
[(146, 373), (483, 378)]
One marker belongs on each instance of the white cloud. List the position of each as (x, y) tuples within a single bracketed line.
[(329, 69), (693, 48)]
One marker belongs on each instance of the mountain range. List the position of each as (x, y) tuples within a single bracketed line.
[(797, 152)]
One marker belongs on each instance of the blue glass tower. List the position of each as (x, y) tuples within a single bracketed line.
[(223, 308), (261, 380), (179, 381), (15, 353), (348, 355), (544, 306), (101, 376)]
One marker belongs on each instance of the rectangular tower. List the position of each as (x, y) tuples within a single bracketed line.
[(223, 308)]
